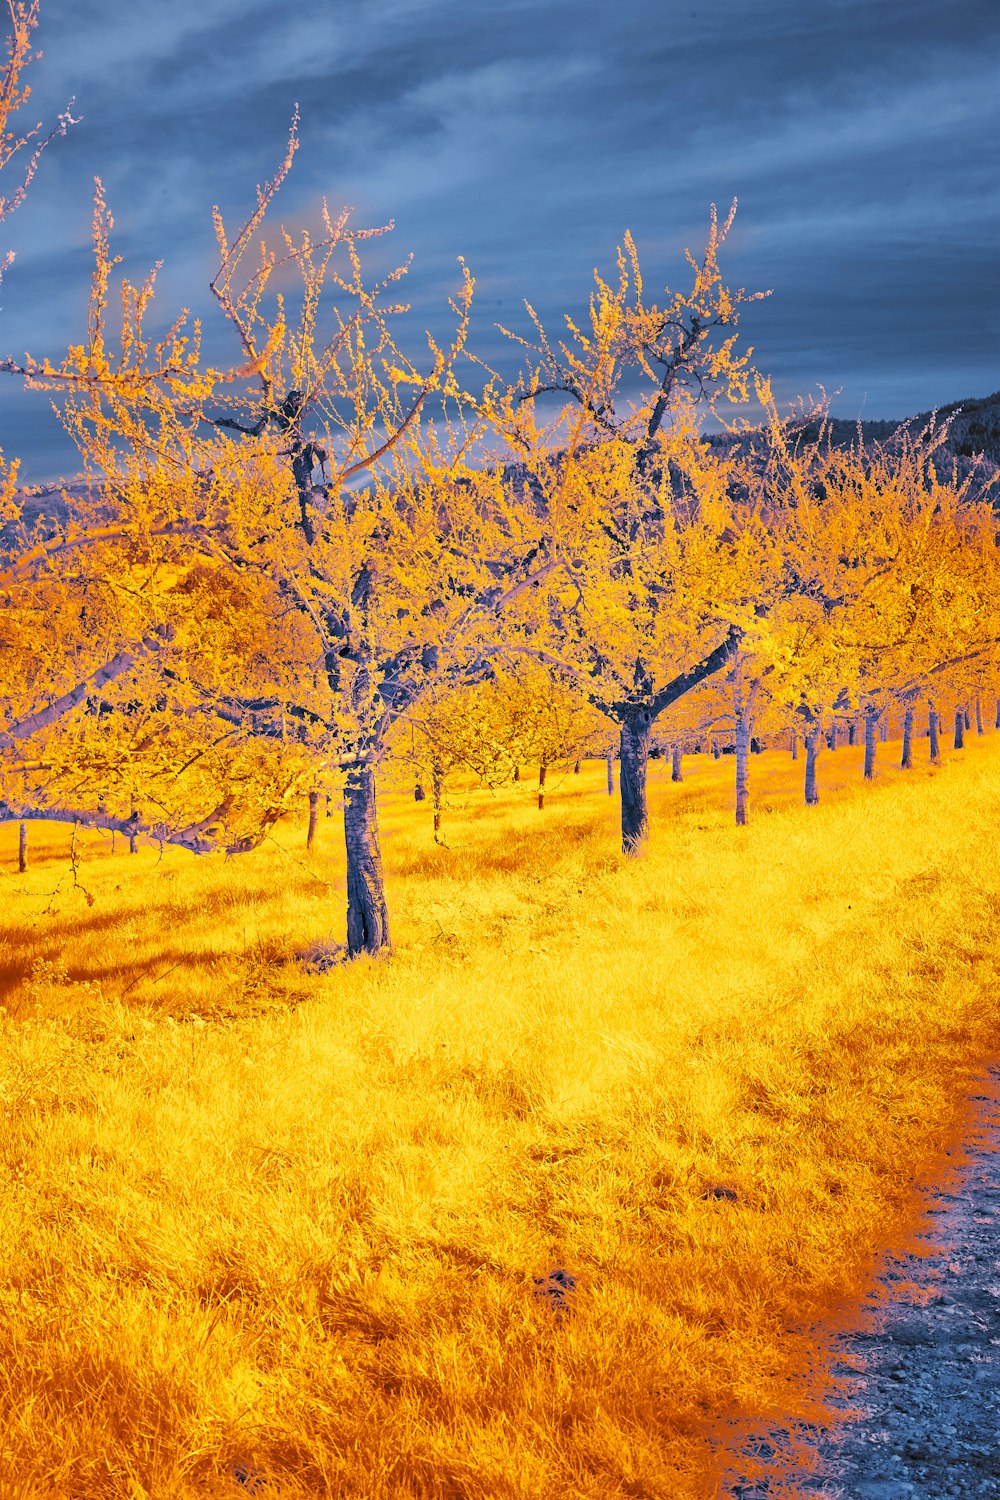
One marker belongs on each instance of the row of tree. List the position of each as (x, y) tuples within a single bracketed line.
[(283, 567)]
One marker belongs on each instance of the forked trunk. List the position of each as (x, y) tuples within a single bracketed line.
[(367, 917), (871, 724), (979, 717), (634, 753), (906, 761), (22, 848), (541, 785), (959, 729), (932, 734), (742, 771), (812, 751), (675, 764), (313, 818)]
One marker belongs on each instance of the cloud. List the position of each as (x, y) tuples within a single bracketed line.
[(527, 138)]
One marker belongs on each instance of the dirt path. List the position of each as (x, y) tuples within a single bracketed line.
[(928, 1361)]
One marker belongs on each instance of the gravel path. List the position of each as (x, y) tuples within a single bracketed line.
[(928, 1402)]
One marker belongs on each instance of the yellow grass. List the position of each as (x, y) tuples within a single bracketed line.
[(255, 1214)]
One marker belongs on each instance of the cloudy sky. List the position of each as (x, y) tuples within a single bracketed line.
[(527, 136)]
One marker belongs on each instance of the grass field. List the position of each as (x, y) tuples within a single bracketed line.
[(256, 1215)]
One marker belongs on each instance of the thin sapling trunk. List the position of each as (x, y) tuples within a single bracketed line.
[(313, 818)]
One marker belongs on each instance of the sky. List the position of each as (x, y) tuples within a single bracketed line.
[(527, 136)]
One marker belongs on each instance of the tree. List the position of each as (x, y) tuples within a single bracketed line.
[(892, 567), (400, 585), (661, 574), (449, 730), (542, 717)]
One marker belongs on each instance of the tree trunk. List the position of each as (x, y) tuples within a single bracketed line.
[(959, 729), (437, 788), (852, 731), (906, 762), (313, 818), (932, 734), (968, 721), (871, 724), (883, 729), (716, 752), (742, 771), (367, 918), (517, 773), (133, 847), (979, 717), (22, 848), (634, 754), (996, 722), (833, 736), (675, 764), (541, 785), (611, 774), (795, 746), (419, 795), (329, 812), (576, 769), (812, 751)]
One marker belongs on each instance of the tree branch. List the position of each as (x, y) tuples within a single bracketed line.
[(122, 662), (199, 837)]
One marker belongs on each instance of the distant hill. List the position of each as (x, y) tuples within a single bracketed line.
[(975, 430)]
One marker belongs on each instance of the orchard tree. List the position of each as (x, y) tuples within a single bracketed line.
[(455, 730), (662, 579), (891, 564), (542, 717), (401, 585), (662, 575)]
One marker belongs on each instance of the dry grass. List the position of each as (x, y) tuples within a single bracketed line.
[(255, 1214)]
